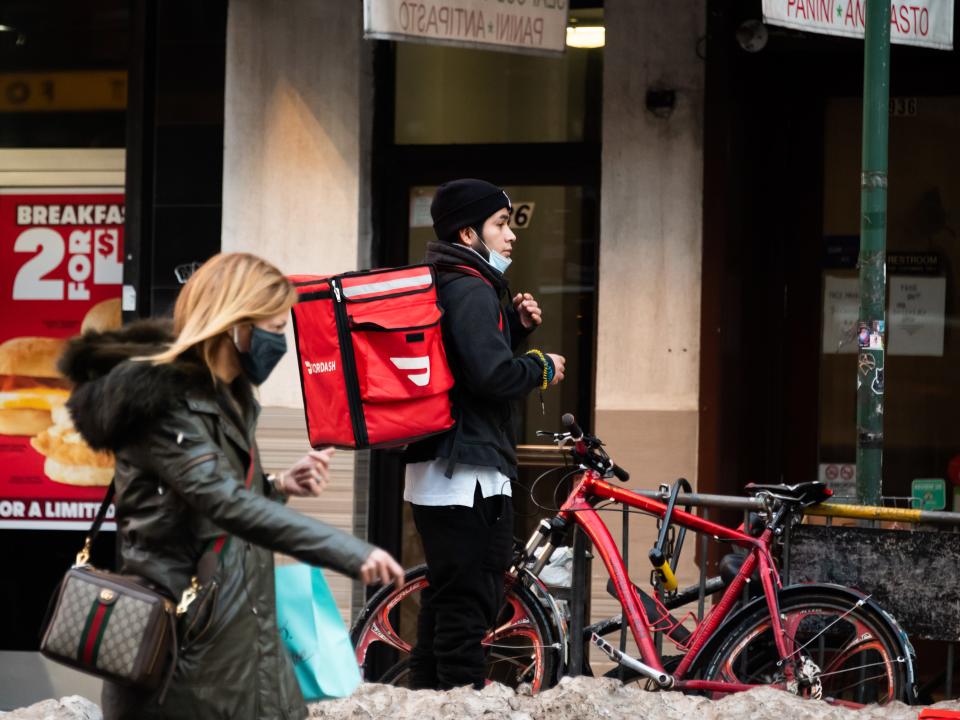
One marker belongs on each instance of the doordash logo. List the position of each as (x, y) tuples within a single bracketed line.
[(315, 368), (419, 379)]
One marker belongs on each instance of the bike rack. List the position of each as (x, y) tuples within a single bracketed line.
[(579, 591)]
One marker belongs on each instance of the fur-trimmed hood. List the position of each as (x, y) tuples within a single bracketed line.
[(115, 396)]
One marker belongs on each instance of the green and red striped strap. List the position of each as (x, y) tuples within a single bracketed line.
[(93, 630)]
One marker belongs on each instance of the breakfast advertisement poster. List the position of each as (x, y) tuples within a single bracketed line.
[(61, 273)]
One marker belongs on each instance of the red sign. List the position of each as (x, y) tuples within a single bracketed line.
[(61, 272)]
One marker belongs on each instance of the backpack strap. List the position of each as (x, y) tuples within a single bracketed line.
[(467, 270)]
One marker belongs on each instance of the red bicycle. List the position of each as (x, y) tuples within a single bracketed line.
[(814, 640)]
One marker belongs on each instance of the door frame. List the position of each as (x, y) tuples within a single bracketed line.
[(397, 168)]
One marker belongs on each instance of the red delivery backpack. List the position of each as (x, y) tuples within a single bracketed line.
[(372, 365)]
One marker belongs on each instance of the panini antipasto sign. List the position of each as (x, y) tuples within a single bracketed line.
[(926, 23), (538, 26)]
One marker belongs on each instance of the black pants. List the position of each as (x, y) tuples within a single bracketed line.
[(468, 550)]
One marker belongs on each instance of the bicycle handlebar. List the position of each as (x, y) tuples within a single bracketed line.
[(589, 449)]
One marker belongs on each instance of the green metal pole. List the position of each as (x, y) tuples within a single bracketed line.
[(873, 243)]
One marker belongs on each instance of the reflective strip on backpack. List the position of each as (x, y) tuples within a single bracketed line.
[(387, 285)]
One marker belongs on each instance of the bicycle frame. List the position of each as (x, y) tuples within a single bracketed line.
[(578, 508)]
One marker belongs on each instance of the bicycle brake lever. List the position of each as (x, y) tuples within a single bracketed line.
[(560, 439)]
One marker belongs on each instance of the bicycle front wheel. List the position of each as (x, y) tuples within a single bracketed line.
[(520, 649), (844, 652)]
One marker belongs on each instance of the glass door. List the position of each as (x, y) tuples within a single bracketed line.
[(554, 259), (528, 124)]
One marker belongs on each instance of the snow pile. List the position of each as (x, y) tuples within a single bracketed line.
[(572, 699), (73, 707), (576, 698)]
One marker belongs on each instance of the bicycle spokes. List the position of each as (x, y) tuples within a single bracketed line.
[(515, 648), (387, 622), (835, 655)]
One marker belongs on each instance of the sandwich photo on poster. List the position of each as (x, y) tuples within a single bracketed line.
[(61, 273)]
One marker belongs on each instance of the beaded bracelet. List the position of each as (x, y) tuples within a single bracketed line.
[(546, 367)]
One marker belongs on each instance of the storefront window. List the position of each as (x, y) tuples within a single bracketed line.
[(457, 98), (63, 74), (460, 96), (923, 335)]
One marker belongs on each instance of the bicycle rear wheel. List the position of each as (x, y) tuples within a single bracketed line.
[(843, 652), (521, 649)]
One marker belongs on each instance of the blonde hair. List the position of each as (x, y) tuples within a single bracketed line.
[(228, 289)]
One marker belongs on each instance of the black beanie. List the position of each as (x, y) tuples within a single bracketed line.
[(465, 203)]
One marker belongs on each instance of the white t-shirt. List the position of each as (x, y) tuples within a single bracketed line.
[(426, 483)]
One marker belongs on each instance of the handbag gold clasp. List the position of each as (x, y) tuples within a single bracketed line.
[(83, 557), (188, 596)]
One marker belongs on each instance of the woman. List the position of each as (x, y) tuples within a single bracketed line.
[(176, 407)]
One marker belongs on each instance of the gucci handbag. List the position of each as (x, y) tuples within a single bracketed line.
[(113, 626)]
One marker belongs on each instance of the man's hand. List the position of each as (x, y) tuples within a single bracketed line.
[(528, 309), (309, 475), (381, 567), (558, 366)]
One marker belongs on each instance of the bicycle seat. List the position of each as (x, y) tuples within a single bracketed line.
[(803, 494)]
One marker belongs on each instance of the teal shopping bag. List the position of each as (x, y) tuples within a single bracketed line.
[(314, 633)]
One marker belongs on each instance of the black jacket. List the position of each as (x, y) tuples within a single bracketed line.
[(182, 464), (488, 379)]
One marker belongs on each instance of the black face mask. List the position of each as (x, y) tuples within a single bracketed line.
[(266, 349)]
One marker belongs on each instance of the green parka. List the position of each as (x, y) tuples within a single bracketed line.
[(184, 487)]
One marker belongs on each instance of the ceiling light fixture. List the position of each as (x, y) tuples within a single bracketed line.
[(586, 36)]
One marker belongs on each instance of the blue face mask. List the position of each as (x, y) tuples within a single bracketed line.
[(498, 261), (494, 259), (266, 349)]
